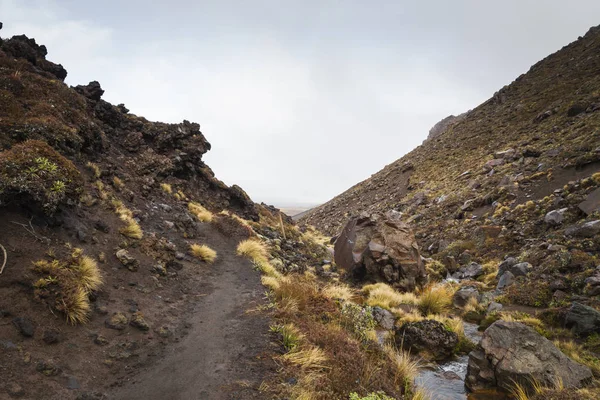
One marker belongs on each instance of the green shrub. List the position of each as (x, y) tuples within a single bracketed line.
[(358, 319), (33, 173)]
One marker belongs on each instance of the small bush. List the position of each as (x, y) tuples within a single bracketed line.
[(33, 173), (203, 252), (358, 319), (596, 178)]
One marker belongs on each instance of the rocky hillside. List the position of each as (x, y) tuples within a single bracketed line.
[(109, 227), (547, 120)]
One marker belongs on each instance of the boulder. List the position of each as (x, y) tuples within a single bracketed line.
[(591, 203), (427, 336), (490, 165), (512, 352), (471, 271), (505, 280), (380, 247), (384, 318), (582, 320), (516, 268), (494, 307), (463, 295), (555, 217), (585, 230), (127, 260), (92, 90)]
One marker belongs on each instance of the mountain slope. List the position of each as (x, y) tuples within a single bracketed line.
[(552, 112)]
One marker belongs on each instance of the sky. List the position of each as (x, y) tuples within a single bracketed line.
[(299, 99)]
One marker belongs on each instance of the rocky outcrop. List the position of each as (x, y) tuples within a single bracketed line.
[(511, 352), (443, 125), (380, 247), (427, 337)]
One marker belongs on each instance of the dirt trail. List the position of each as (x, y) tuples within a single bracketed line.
[(226, 353)]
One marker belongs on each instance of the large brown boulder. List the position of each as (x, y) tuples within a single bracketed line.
[(380, 247), (511, 352)]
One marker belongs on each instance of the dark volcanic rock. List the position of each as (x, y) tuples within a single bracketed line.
[(24, 326), (582, 320), (511, 351), (380, 247), (427, 336), (464, 294), (585, 230), (92, 90)]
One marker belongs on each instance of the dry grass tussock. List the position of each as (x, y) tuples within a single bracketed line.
[(338, 291), (132, 229), (166, 188), (203, 252), (435, 299), (384, 296), (66, 285), (200, 212)]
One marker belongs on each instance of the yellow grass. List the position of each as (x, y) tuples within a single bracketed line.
[(200, 212), (252, 249), (118, 183), (338, 291), (270, 282), (203, 252), (435, 299), (596, 178), (406, 367), (309, 358), (95, 169), (167, 188), (123, 212), (384, 296), (132, 229), (88, 277), (76, 306)]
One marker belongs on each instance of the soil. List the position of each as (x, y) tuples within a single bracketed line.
[(208, 337)]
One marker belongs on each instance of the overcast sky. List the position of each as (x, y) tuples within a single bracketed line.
[(299, 99)]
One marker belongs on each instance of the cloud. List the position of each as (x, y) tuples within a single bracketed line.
[(303, 101)]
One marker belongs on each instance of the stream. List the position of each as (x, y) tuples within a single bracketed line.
[(446, 381)]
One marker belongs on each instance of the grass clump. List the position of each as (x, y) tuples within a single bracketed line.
[(96, 172), (371, 396), (167, 188), (200, 212), (132, 229), (435, 299), (254, 250), (596, 178), (118, 183), (384, 296), (338, 291), (203, 252), (66, 285), (290, 335)]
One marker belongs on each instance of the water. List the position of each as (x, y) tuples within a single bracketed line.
[(446, 380)]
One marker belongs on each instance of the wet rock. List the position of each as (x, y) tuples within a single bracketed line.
[(118, 321), (585, 230), (555, 217), (463, 295), (380, 247), (138, 321), (591, 203), (384, 318), (511, 351), (582, 320), (427, 336), (127, 260), (24, 325), (505, 280), (51, 336)]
